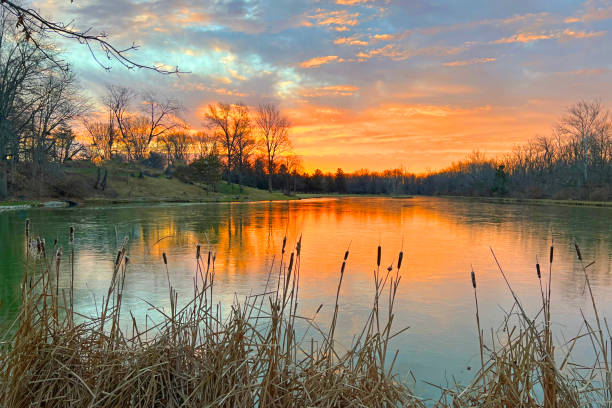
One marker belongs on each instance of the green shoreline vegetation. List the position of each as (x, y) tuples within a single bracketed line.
[(256, 352)]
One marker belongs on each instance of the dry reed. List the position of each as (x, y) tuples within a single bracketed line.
[(194, 357)]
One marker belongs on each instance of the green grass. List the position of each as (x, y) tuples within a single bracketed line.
[(128, 183), (12, 203)]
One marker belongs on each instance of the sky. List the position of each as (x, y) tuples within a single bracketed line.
[(373, 84)]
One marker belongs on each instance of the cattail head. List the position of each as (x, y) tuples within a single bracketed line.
[(473, 279), (71, 234), (343, 266), (165, 258), (578, 251), (27, 227), (378, 256), (389, 268), (58, 257), (399, 259), (127, 260), (118, 259), (538, 271), (298, 247), (346, 255), (291, 262), (198, 251), (552, 251), (284, 243)]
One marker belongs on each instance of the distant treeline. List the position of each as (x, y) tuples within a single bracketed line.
[(575, 162)]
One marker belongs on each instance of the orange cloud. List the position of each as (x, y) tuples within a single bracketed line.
[(389, 50), (338, 17), (469, 62), (582, 34), (559, 35), (524, 38), (318, 61), (332, 90), (384, 37), (354, 40), (351, 2)]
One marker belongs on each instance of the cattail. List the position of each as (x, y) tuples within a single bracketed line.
[(378, 257), (208, 262), (54, 242), (473, 279), (198, 251), (291, 262), (389, 268), (319, 308), (27, 229), (578, 251), (538, 271), (343, 266), (71, 234), (118, 259), (284, 243), (298, 247), (346, 254), (165, 258), (399, 259), (552, 250), (127, 260), (59, 257)]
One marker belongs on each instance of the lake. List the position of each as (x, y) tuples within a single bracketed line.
[(442, 240)]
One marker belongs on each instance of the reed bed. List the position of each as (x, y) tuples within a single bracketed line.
[(195, 357), (259, 355)]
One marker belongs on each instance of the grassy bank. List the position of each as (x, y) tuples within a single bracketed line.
[(256, 353), (125, 183), (533, 201)]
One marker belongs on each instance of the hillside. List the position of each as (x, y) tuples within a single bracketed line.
[(124, 183)]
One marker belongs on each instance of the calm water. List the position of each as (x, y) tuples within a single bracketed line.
[(441, 239)]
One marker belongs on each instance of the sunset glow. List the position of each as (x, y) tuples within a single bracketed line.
[(371, 84)]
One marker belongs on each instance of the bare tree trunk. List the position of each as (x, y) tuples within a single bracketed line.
[(269, 181), (3, 181)]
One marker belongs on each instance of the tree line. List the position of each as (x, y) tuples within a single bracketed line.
[(574, 162)]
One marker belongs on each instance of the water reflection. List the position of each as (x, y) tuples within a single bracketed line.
[(441, 239)]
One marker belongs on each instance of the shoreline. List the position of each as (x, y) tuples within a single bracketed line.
[(12, 205)]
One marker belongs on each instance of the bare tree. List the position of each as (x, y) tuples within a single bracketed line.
[(584, 124), (231, 122), (176, 146), (162, 115), (35, 27), (118, 100), (135, 136), (57, 103), (65, 145), (102, 139), (21, 68), (274, 130)]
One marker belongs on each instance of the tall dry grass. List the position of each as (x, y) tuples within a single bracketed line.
[(259, 355), (193, 357)]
